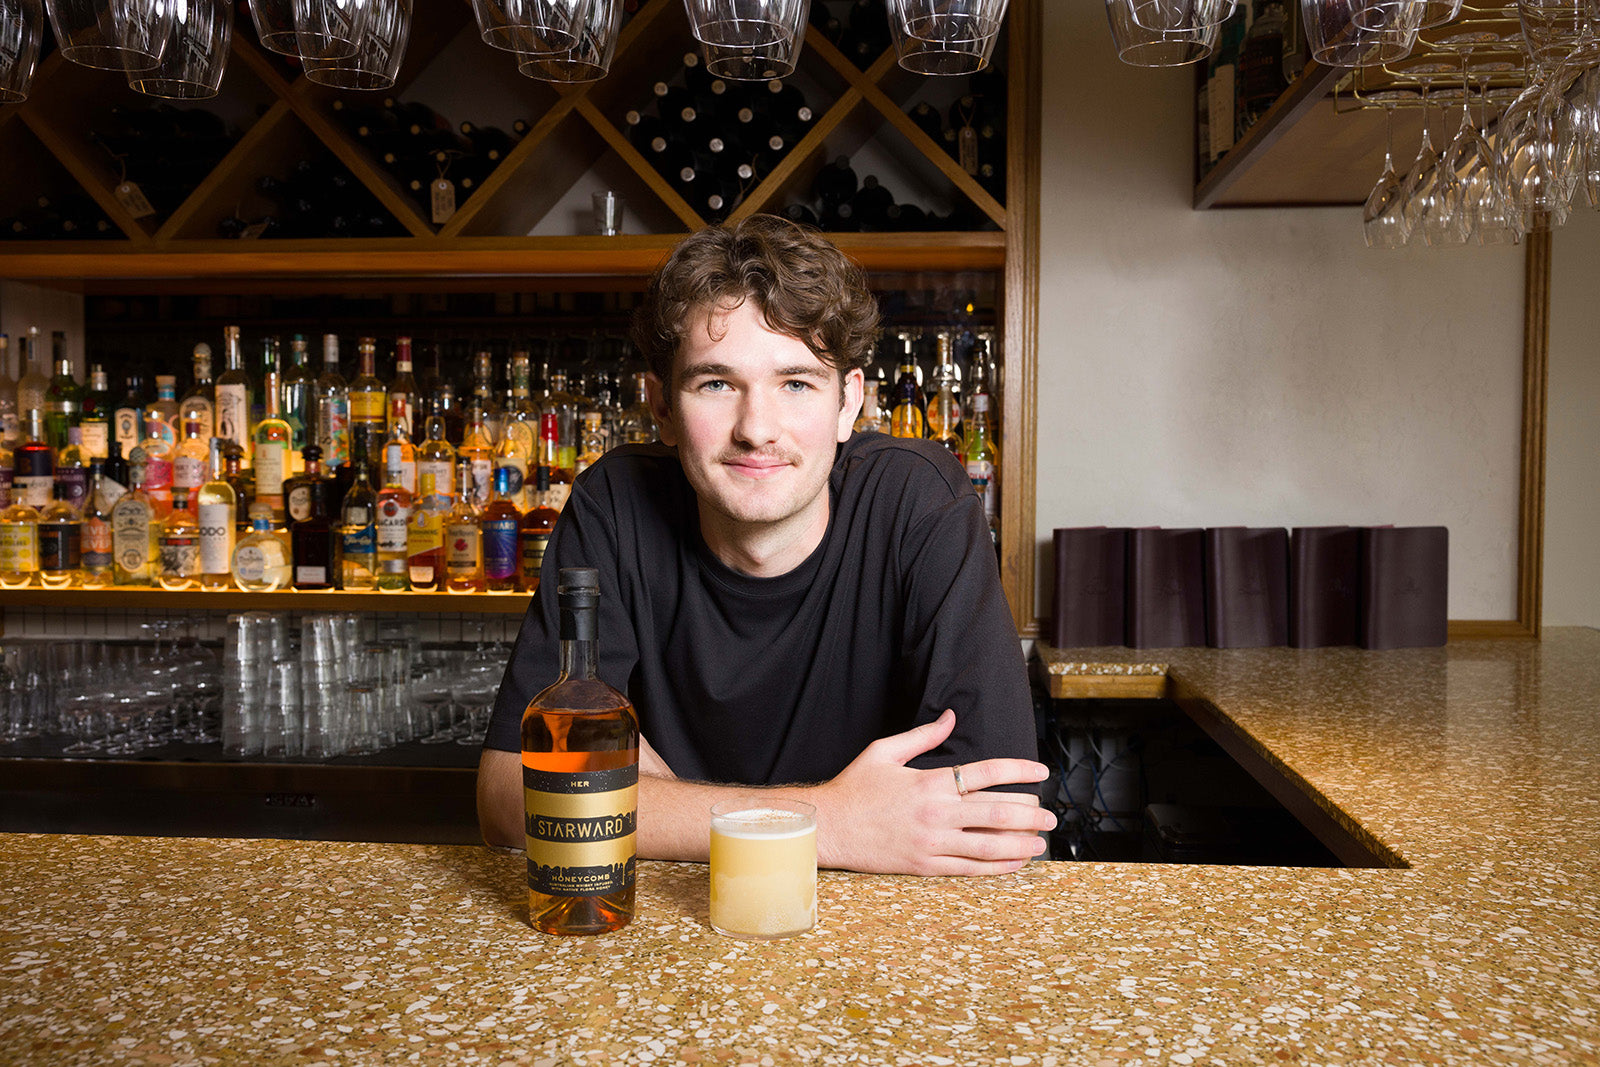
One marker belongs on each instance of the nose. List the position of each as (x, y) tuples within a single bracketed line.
[(757, 421)]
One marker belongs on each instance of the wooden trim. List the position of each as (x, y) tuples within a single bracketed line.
[(1018, 495), (1535, 389), (1303, 94), (130, 598), (1488, 629)]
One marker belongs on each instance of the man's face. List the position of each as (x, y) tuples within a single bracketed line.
[(756, 418)]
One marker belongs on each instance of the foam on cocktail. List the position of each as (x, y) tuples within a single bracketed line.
[(768, 823)]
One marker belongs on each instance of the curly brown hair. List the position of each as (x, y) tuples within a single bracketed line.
[(801, 283)]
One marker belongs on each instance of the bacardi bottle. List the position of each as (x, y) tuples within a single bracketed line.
[(580, 777)]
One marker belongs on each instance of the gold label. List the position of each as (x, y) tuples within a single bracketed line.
[(580, 830)]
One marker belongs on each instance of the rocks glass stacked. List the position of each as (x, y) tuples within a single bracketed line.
[(251, 644)]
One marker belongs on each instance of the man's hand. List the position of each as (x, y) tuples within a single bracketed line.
[(877, 815), (881, 816)]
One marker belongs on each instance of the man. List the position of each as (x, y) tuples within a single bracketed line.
[(787, 603)]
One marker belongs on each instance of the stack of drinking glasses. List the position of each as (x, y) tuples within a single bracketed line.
[(251, 645)]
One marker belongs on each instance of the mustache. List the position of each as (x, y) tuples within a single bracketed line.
[(743, 455)]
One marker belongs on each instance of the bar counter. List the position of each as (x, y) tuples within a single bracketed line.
[(1476, 765)]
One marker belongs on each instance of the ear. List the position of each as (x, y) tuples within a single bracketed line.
[(656, 390), (854, 390)]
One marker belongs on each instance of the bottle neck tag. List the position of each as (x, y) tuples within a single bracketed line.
[(443, 200), (133, 200)]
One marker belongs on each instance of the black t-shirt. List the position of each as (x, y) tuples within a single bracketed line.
[(896, 615)]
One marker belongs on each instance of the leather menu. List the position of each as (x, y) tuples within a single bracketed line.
[(1166, 587), (1090, 587), (1406, 572), (1246, 586), (1324, 586)]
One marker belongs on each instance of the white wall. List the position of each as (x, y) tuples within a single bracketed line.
[(1572, 451), (1261, 366)]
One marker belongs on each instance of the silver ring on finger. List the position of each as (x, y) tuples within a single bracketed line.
[(961, 787)]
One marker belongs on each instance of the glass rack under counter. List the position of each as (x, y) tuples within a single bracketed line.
[(317, 725)]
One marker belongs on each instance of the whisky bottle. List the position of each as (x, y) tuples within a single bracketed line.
[(944, 410), (463, 537), (401, 403), (580, 777), (72, 468), (179, 545), (533, 532), (218, 516), (499, 523), (261, 561), (60, 541), (436, 457), (425, 535), (908, 415), (638, 422), (19, 545), (477, 450), (233, 395)]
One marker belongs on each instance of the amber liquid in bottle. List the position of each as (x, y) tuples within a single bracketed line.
[(580, 767)]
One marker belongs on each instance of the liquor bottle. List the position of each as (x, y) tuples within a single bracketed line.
[(115, 479), (201, 398), (463, 536), (218, 513), (500, 522), (179, 545), (234, 389), (243, 484), (311, 538), (401, 402), (95, 557), (1222, 82), (60, 542), (908, 410), (477, 450), (982, 458), (638, 424), (519, 438), (96, 420), (436, 458), (533, 532), (34, 382), (871, 418), (191, 461), (358, 531), (302, 491), (72, 469), (271, 366), (34, 462), (564, 407), (393, 517), (63, 397), (273, 439), (425, 535), (161, 414), (299, 402), (127, 416), (367, 398), (333, 407), (135, 526), (592, 441), (400, 457), (261, 560), (483, 399), (19, 545), (449, 409), (944, 410), (7, 470), (580, 758), (1261, 79), (10, 423)]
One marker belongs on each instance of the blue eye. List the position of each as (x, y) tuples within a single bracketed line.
[(795, 385)]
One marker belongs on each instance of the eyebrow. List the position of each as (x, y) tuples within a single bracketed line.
[(723, 370)]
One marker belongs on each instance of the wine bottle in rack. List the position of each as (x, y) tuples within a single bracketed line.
[(870, 205), (827, 23), (928, 119), (866, 35), (802, 214), (836, 183)]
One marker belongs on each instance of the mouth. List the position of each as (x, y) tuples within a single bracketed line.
[(757, 467)]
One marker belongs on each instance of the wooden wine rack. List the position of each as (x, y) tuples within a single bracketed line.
[(46, 139)]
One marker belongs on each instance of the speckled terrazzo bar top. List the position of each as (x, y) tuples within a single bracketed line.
[(1477, 764)]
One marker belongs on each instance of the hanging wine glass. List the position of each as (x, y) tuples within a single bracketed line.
[(1383, 218), (21, 30), (196, 53), (1421, 181), (119, 35)]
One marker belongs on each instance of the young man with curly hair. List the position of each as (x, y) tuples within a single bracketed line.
[(787, 603)]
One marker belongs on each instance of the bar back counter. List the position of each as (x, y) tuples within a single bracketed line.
[(1475, 766)]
